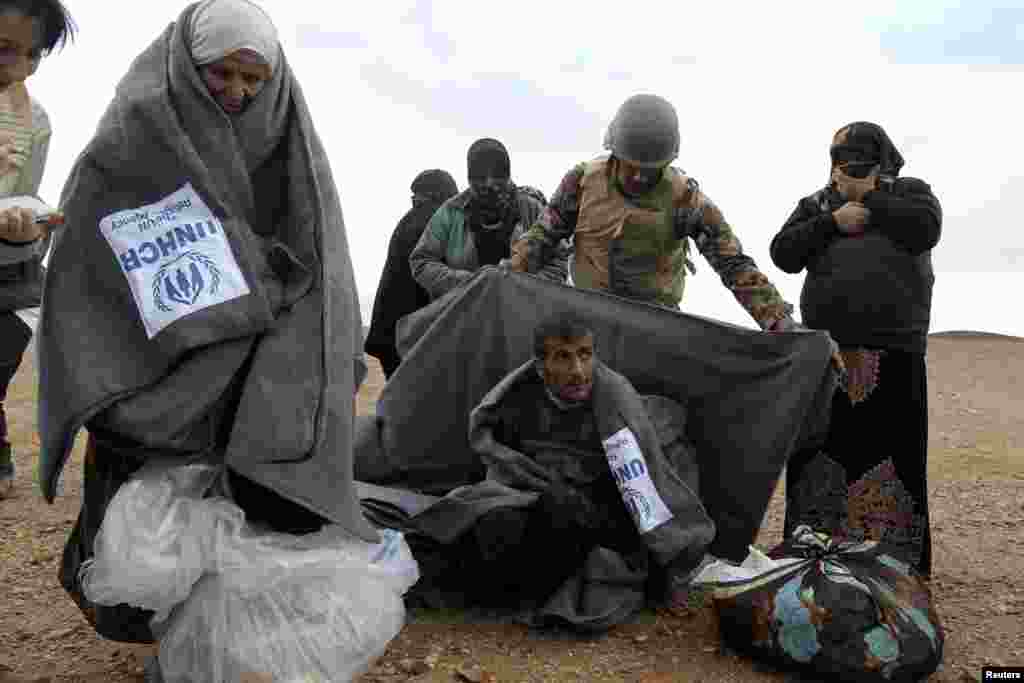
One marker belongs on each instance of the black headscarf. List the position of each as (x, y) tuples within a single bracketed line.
[(434, 185), (398, 293), (486, 157), (491, 213), (865, 142)]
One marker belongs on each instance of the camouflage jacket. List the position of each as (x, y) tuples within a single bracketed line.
[(692, 215)]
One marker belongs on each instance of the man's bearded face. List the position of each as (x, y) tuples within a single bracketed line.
[(569, 367)]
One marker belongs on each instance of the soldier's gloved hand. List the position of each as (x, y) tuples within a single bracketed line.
[(852, 218), (19, 225)]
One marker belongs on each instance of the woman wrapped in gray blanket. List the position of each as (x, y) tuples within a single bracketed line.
[(205, 307)]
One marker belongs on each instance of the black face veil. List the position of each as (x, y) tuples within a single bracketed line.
[(863, 145)]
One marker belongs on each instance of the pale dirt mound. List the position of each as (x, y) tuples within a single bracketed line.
[(977, 488)]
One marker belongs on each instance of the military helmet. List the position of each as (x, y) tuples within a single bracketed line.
[(645, 132)]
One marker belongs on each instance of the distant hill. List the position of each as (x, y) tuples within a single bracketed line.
[(975, 334), (946, 334)]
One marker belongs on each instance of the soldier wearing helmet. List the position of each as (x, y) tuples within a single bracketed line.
[(632, 216)]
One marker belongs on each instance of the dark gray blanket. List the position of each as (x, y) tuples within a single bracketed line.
[(168, 294), (750, 397)]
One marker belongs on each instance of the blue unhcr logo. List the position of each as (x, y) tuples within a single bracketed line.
[(634, 469), (637, 503), (639, 494), (182, 280)]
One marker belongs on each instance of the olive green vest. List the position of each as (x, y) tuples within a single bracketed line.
[(626, 246)]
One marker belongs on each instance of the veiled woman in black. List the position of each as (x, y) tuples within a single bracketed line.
[(865, 241)]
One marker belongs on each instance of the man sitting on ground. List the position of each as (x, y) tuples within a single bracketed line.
[(574, 465)]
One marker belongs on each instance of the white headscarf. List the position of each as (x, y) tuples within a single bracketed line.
[(259, 128), (221, 27)]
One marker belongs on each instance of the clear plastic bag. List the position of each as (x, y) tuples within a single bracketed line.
[(156, 537), (230, 599), (325, 618), (721, 577)]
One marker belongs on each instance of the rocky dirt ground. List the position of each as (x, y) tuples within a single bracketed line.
[(977, 497)]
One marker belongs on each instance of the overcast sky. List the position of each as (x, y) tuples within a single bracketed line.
[(396, 87)]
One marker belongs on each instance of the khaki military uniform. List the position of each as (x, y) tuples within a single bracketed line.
[(639, 248)]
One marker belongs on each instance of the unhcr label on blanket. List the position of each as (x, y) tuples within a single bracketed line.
[(629, 468), (176, 257)]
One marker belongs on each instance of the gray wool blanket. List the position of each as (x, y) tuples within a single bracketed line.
[(750, 398), (170, 298)]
